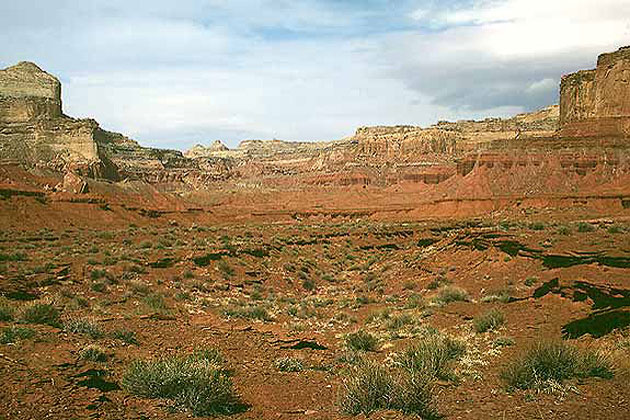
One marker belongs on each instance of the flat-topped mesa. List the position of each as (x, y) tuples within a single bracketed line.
[(446, 140), (28, 93), (596, 103)]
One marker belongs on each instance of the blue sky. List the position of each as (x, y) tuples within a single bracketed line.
[(173, 74)]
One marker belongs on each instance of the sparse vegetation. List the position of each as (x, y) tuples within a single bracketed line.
[(288, 364), (85, 326), (7, 312), (93, 353), (448, 294), (14, 334), (370, 386), (584, 227), (41, 313), (361, 341), (126, 336), (247, 312), (489, 321)]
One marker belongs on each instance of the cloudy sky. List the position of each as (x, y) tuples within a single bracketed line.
[(175, 73)]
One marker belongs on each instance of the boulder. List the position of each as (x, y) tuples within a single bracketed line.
[(73, 183)]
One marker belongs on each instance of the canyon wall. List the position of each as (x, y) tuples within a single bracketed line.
[(596, 103), (35, 133)]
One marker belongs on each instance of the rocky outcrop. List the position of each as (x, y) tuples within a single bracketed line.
[(28, 93), (596, 103)]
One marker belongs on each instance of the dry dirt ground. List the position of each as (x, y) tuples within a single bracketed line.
[(259, 292)]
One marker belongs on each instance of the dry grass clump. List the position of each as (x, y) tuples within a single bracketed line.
[(370, 386), (85, 326), (361, 341), (197, 382), (40, 313), (555, 361), (488, 321), (93, 353), (448, 294), (288, 364), (407, 384)]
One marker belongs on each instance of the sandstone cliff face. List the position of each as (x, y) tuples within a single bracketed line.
[(28, 93), (35, 133), (596, 103)]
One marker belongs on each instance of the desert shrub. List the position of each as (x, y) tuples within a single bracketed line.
[(41, 313), (139, 288), (614, 229), (126, 336), (98, 286), (370, 386), (432, 356), (555, 361), (530, 281), (14, 334), (437, 282), (502, 296), (350, 357), (448, 294), (226, 270), (97, 274), (537, 226), (563, 230), (197, 382), (396, 322), (489, 321), (409, 284), (6, 311), (585, 227), (309, 284), (15, 257), (288, 364), (93, 353), (503, 341), (361, 341), (155, 302), (85, 326), (247, 312), (414, 301)]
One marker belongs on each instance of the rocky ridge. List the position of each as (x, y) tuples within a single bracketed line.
[(35, 133)]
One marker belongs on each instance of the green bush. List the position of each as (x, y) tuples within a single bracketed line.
[(6, 311), (489, 321), (14, 334), (156, 303), (126, 336), (197, 382), (361, 341), (85, 326), (555, 361), (41, 313), (448, 294), (614, 229), (585, 227), (93, 353)]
